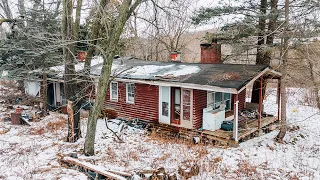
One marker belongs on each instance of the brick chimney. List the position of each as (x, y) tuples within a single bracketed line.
[(175, 56), (210, 52)]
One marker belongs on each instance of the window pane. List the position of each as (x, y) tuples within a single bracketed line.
[(186, 112), (177, 111), (130, 98), (165, 109), (218, 97), (226, 96), (114, 95), (228, 104), (177, 96), (130, 92), (210, 99), (186, 95), (114, 86)]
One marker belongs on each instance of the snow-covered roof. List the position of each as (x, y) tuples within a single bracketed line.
[(138, 69), (59, 70), (234, 76)]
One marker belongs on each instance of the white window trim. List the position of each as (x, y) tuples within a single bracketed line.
[(115, 99), (212, 93), (127, 97)]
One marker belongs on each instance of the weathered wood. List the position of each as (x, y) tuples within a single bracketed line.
[(25, 120), (99, 170), (225, 136), (71, 121)]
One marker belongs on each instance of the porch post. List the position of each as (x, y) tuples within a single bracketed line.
[(260, 106), (54, 93), (235, 121), (278, 98)]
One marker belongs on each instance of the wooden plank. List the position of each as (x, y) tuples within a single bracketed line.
[(97, 169), (25, 120)]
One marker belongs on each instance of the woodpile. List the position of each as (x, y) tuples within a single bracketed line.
[(109, 113), (188, 171)]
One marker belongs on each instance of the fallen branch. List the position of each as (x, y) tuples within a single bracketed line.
[(114, 133), (98, 169)]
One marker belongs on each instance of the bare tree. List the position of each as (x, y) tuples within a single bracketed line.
[(113, 20), (165, 24), (73, 94), (284, 77)]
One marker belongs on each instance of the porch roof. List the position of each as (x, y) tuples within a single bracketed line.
[(224, 76)]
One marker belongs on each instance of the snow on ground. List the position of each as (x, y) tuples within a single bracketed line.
[(28, 153)]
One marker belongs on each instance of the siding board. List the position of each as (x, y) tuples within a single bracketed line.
[(145, 106), (199, 103)]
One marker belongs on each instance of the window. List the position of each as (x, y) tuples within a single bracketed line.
[(215, 99), (130, 92), (227, 100), (114, 91), (186, 105), (177, 102)]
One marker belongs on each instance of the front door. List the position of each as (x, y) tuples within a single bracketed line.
[(164, 104), (176, 105)]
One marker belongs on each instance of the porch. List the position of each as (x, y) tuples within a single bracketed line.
[(247, 128)]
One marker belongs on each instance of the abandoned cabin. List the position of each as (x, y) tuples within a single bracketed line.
[(207, 97)]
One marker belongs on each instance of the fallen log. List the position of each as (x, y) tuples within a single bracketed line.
[(99, 170)]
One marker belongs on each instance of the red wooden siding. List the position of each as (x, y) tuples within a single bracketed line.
[(199, 103), (146, 104), (242, 100)]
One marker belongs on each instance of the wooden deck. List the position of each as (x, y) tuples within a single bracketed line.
[(246, 128)]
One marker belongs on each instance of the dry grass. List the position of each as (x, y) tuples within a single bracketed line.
[(8, 84), (4, 131), (52, 126), (217, 160), (247, 169), (57, 125), (39, 131), (133, 155), (112, 156)]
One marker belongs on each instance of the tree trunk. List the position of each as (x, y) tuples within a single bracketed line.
[(44, 93), (314, 81), (77, 20), (71, 89), (273, 16), (112, 41), (260, 52), (94, 36), (261, 27), (283, 93)]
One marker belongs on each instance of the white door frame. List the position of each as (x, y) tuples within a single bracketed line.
[(164, 119)]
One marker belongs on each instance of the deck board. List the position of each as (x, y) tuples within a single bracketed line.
[(252, 126)]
